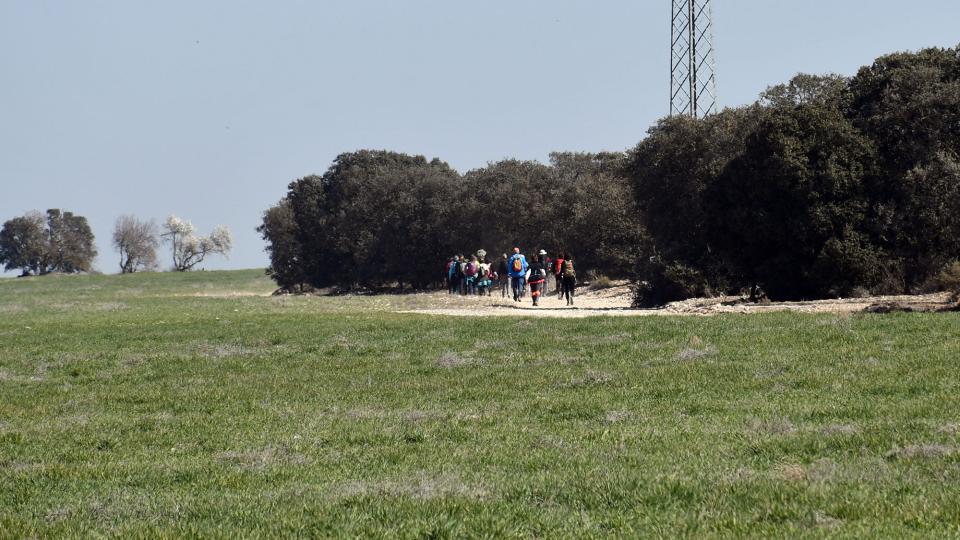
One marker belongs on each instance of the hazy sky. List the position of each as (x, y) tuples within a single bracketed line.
[(208, 109)]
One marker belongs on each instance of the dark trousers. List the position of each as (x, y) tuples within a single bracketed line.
[(569, 285)]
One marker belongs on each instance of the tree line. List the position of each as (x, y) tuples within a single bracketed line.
[(826, 186), (63, 242), (379, 218)]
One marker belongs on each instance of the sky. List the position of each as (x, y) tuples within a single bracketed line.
[(208, 109)]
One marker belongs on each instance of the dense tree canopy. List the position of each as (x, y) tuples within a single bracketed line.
[(61, 242), (379, 218)]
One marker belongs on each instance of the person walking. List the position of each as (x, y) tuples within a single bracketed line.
[(538, 278), (568, 278), (545, 261), (557, 269), (458, 276), (470, 272), (518, 271), (448, 275), (452, 274), (484, 278), (503, 275)]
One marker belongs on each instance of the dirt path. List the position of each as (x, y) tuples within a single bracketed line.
[(616, 302)]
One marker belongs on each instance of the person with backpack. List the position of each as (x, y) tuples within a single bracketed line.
[(458, 274), (484, 278), (568, 278), (557, 269), (448, 275), (518, 267), (470, 271), (452, 274), (503, 276), (538, 277)]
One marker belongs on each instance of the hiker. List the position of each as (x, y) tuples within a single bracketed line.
[(470, 275), (484, 278), (503, 275), (538, 278), (448, 275), (458, 274), (557, 268), (568, 278), (452, 274), (518, 271), (548, 266)]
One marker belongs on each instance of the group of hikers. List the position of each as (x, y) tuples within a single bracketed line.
[(477, 275)]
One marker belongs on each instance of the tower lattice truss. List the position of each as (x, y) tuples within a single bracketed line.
[(693, 80)]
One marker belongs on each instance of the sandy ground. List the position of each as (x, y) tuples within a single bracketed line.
[(616, 301)]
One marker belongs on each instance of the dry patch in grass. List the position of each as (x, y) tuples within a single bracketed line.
[(826, 521), (6, 376), (614, 417), (423, 487), (455, 360), (58, 514), (110, 306), (414, 415), (791, 472), (822, 470), (590, 378), (263, 458), (770, 373), (922, 451), (950, 429), (839, 429), (217, 351), (771, 426), (696, 349)]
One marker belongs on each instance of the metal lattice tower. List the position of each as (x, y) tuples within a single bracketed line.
[(693, 80)]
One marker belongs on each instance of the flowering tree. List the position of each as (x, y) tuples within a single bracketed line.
[(189, 249)]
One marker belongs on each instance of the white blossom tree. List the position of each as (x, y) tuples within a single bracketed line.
[(189, 249)]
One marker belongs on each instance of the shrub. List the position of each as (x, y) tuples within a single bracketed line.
[(949, 279), (665, 283), (600, 281)]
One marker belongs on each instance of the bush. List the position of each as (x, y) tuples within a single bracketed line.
[(665, 283), (949, 279), (600, 281)]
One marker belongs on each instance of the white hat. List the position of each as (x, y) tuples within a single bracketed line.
[(543, 252)]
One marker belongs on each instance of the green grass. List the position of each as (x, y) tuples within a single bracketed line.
[(132, 406)]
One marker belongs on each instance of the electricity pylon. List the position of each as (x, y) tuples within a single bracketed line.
[(693, 80)]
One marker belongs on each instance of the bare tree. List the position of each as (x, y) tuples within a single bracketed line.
[(137, 243), (189, 249)]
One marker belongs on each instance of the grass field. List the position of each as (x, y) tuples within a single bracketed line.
[(192, 405)]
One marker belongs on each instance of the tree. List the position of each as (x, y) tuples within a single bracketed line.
[(23, 244), (805, 89), (189, 249), (63, 242), (593, 212), (909, 104), (374, 218), (70, 243), (790, 214), (670, 172), (137, 243), (279, 229)]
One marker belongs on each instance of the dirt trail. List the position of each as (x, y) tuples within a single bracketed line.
[(615, 302)]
